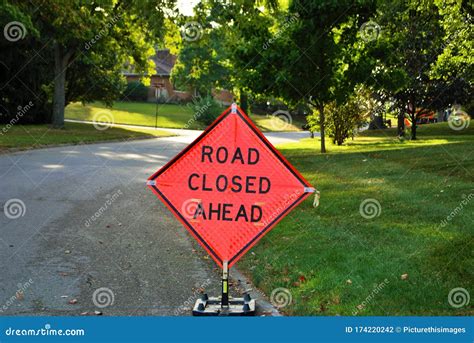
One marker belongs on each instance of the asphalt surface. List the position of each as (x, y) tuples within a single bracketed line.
[(89, 233)]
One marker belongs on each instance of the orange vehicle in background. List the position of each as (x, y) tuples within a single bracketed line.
[(425, 118)]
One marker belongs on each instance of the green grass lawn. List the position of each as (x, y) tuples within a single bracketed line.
[(169, 116), (36, 136), (336, 262)]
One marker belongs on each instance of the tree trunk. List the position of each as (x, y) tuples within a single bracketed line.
[(59, 98), (401, 124), (244, 102), (413, 127), (322, 120)]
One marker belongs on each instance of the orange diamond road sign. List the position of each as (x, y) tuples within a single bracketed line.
[(230, 186)]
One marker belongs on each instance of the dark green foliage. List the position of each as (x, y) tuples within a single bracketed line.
[(206, 109), (135, 91), (88, 43), (422, 58)]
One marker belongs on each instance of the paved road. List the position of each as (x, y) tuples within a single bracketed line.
[(90, 223)]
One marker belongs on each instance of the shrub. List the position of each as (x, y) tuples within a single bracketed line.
[(136, 91), (206, 109), (341, 121)]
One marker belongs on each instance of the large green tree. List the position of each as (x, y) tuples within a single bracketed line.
[(454, 66), (414, 62), (316, 59), (248, 26), (203, 62), (220, 43), (306, 53), (84, 46)]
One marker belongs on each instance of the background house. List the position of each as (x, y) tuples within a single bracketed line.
[(161, 86)]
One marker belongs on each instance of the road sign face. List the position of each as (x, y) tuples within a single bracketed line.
[(229, 187)]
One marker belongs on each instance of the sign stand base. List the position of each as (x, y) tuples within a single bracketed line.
[(212, 306), (223, 305)]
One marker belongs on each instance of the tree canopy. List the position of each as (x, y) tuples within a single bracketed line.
[(76, 51), (415, 56)]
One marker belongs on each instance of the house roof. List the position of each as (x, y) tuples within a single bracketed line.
[(164, 62)]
